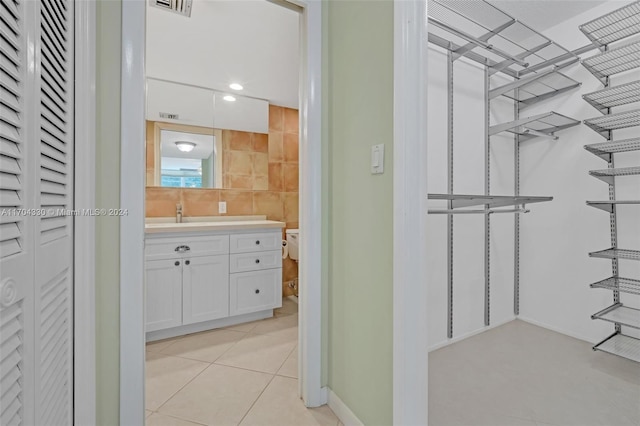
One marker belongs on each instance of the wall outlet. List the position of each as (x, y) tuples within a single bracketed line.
[(222, 207)]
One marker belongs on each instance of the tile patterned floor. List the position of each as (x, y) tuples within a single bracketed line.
[(521, 374), (239, 375)]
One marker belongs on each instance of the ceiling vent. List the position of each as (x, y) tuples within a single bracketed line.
[(182, 7)]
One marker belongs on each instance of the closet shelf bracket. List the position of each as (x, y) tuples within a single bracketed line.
[(608, 175), (620, 345), (605, 150), (623, 285), (547, 124), (615, 253), (619, 314), (609, 205)]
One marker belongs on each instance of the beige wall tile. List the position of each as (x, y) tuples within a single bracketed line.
[(238, 202), (239, 182), (162, 201), (275, 177), (260, 142), (260, 163), (275, 147), (199, 202), (293, 225), (290, 177), (240, 141), (226, 140), (268, 203), (290, 147), (238, 163), (261, 183), (276, 118), (291, 124), (290, 205)]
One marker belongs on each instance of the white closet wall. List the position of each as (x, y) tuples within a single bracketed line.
[(557, 236), (468, 242), (555, 241)]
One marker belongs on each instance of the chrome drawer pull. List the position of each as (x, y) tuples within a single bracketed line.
[(182, 249)]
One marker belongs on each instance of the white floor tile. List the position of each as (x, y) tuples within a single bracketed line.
[(279, 405), (289, 307), (158, 345), (165, 375), (157, 419), (265, 353), (290, 366), (206, 346), (283, 326), (219, 396)]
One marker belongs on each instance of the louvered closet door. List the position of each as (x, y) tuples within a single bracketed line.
[(36, 153), (53, 233), (17, 327)]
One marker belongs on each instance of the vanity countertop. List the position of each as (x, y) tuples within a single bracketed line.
[(159, 227)]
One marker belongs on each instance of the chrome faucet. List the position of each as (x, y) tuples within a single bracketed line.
[(178, 213)]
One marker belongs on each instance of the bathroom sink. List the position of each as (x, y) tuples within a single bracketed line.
[(189, 224)]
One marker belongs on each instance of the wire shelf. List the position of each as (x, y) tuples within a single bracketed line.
[(492, 201), (614, 61), (623, 285), (620, 345), (620, 314), (604, 124), (545, 125), (604, 150), (608, 205), (608, 175), (540, 89), (614, 26), (488, 35), (614, 253), (615, 96)]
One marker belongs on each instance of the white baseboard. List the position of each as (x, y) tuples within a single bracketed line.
[(341, 410), (470, 334), (557, 330)]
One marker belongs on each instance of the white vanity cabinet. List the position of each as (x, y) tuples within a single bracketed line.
[(207, 279)]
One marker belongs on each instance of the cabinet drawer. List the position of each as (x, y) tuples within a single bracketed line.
[(256, 261), (164, 248), (263, 241), (255, 291)]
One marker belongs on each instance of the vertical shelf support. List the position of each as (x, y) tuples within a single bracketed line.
[(450, 60), (516, 226), (487, 191)]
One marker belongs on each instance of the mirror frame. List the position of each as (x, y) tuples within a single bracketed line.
[(158, 126)]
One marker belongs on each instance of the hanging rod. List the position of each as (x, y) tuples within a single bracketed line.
[(445, 211)]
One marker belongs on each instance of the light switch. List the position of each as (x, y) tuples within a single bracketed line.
[(377, 159), (222, 207)]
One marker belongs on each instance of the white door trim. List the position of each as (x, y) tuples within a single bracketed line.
[(410, 349), (132, 198), (84, 312)]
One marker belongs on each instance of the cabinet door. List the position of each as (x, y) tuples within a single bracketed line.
[(255, 291), (163, 294), (205, 288)]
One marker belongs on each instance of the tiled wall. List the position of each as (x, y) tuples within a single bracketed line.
[(279, 202), (245, 160)]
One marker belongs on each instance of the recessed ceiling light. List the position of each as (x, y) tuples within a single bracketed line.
[(185, 146), (229, 98), (236, 86)]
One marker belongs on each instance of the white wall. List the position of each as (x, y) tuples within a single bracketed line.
[(469, 130), (555, 237), (555, 268)]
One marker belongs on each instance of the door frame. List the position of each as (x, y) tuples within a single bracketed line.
[(84, 254), (132, 196)]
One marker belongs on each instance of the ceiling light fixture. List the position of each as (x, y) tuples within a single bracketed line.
[(236, 86), (185, 146), (229, 98)]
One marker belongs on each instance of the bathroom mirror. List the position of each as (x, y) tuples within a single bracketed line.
[(187, 156)]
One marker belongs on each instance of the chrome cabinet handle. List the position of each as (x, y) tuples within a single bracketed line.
[(182, 249)]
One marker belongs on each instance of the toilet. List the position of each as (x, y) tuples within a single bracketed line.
[(292, 243)]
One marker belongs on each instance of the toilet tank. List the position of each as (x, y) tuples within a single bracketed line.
[(293, 243)]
